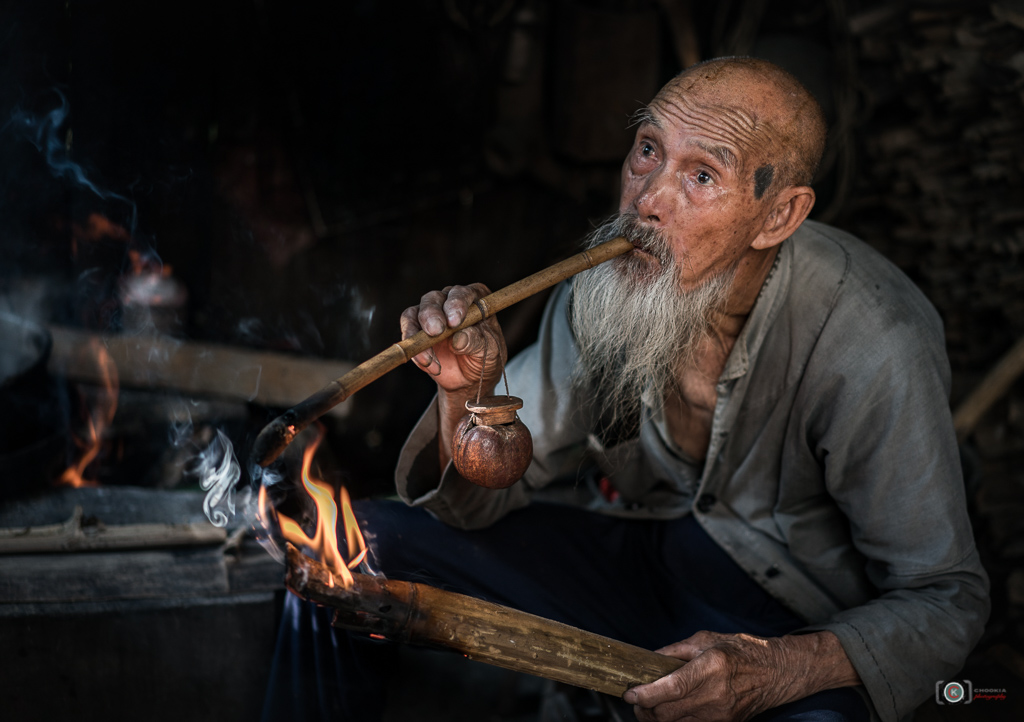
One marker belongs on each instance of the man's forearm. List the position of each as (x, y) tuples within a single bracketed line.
[(812, 663), (447, 419)]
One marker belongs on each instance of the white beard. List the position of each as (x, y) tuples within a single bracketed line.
[(635, 327)]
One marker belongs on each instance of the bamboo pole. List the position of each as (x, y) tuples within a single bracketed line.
[(992, 388), (282, 430), (483, 631)]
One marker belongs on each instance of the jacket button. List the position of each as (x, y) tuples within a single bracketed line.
[(705, 502)]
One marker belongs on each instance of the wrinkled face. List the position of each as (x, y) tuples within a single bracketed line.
[(698, 168)]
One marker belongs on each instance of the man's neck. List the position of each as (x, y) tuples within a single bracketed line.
[(690, 401), (751, 273)]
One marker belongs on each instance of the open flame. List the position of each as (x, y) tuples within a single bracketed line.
[(101, 408), (99, 415), (324, 541)]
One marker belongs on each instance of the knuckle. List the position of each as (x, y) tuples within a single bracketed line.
[(454, 303), (717, 661), (424, 316), (426, 309), (680, 683), (460, 298), (705, 638)]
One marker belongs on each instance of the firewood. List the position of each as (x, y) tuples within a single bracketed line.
[(206, 369), (992, 388), (75, 535), (482, 631)]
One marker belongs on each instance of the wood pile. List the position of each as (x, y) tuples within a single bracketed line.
[(941, 177), (98, 546)]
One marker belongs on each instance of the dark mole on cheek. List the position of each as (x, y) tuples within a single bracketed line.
[(762, 179)]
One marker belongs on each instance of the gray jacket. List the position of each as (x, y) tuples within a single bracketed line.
[(832, 476)]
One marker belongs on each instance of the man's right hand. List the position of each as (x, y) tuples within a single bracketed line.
[(456, 363)]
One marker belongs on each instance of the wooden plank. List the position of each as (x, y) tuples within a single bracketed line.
[(262, 377), (113, 505), (252, 569), (73, 535), (108, 576)]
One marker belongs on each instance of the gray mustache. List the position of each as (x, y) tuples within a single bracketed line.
[(646, 238)]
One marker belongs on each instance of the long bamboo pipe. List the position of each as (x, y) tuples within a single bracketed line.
[(282, 431)]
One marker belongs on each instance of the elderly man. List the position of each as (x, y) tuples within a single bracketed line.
[(777, 497)]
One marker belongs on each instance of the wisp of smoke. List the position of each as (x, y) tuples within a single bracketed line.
[(180, 430), (268, 478), (218, 472), (44, 134)]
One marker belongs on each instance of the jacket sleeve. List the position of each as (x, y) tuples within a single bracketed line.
[(541, 376), (883, 434)]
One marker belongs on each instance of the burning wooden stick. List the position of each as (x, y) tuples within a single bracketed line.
[(282, 431), (487, 632)]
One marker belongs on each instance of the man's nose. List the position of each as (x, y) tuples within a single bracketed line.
[(653, 203)]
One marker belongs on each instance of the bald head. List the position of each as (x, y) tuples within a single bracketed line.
[(784, 122)]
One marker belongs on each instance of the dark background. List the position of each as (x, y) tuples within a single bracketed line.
[(309, 169)]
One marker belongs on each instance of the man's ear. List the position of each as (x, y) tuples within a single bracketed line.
[(789, 209)]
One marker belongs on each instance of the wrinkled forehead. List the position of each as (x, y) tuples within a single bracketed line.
[(734, 109)]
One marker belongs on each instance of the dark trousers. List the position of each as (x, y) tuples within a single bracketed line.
[(649, 583)]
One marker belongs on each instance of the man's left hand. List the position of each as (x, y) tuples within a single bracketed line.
[(737, 676)]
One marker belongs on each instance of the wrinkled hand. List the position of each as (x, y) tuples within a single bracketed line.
[(456, 363), (726, 677)]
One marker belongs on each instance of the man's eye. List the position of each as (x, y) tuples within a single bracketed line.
[(704, 178), (646, 149)]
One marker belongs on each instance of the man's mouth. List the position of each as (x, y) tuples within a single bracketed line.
[(642, 249), (648, 244)]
